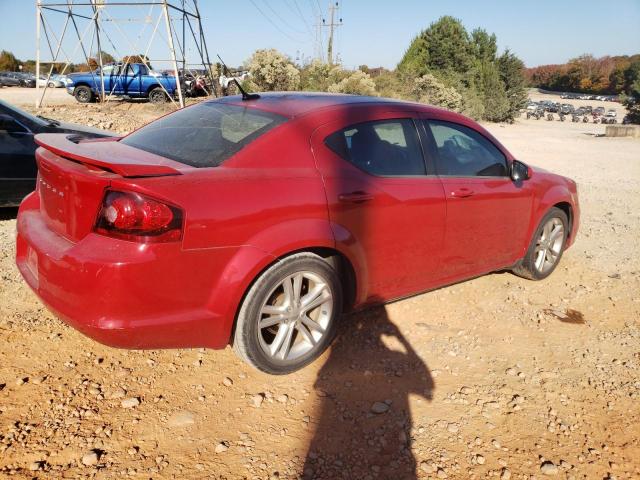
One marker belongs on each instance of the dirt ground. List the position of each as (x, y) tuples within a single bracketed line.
[(496, 377)]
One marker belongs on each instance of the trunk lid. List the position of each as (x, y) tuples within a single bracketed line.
[(73, 175)]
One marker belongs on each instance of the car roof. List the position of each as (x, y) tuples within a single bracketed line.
[(294, 104)]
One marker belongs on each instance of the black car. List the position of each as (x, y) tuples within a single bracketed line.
[(27, 80), (17, 149)]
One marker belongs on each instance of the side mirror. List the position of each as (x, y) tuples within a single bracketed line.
[(519, 171)]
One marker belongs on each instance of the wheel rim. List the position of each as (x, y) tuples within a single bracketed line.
[(549, 245), (156, 96), (83, 95), (295, 317)]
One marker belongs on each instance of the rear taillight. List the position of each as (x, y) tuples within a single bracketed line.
[(136, 217)]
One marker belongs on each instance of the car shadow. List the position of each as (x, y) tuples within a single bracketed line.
[(364, 421)]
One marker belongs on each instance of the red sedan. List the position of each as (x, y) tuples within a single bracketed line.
[(259, 222)]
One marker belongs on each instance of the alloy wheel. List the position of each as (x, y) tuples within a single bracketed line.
[(549, 245), (294, 317)]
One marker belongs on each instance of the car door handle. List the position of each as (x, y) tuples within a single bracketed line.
[(355, 197), (462, 192)]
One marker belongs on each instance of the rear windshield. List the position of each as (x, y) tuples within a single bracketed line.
[(204, 135)]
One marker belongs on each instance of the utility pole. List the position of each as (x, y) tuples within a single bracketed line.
[(38, 24), (333, 7)]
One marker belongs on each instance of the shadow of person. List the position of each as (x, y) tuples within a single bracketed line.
[(363, 424)]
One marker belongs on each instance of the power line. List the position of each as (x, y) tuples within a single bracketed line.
[(273, 23), (284, 22)]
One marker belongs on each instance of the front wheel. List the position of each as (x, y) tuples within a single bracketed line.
[(545, 251), (289, 316)]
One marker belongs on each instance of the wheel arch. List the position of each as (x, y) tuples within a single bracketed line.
[(559, 197), (82, 84), (338, 260), (259, 253)]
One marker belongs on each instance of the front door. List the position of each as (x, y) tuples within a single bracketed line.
[(487, 213), (382, 204)]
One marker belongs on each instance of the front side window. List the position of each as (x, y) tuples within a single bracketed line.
[(463, 152), (382, 148), (204, 135)]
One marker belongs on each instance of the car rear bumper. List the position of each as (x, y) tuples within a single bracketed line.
[(125, 294)]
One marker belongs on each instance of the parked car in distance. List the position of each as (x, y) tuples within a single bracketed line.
[(60, 81), (257, 222), (532, 107), (611, 113), (17, 149), (566, 109), (10, 79), (598, 111), (55, 81), (27, 80), (132, 80)]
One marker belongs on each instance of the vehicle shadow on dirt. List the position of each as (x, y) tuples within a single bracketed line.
[(364, 421)]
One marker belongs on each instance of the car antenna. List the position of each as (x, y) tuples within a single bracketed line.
[(245, 95)]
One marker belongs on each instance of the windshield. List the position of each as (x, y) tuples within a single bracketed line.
[(204, 135)]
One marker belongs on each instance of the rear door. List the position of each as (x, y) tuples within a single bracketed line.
[(382, 203), (487, 213)]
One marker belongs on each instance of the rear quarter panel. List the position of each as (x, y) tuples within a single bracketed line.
[(265, 202)]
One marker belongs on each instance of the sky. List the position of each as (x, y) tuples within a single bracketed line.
[(373, 32)]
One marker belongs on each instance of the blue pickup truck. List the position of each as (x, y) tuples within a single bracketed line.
[(132, 80)]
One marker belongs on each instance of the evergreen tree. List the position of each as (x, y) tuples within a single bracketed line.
[(443, 47), (511, 70)]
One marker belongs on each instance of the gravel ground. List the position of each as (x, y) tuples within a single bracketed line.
[(497, 377)]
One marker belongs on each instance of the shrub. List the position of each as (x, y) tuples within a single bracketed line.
[(270, 70), (427, 89), (357, 83)]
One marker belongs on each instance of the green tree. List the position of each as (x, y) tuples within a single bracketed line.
[(632, 101), (444, 46), (8, 61), (492, 92), (484, 45), (271, 70), (511, 70), (631, 76)]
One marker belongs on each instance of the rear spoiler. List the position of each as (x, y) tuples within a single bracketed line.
[(108, 154)]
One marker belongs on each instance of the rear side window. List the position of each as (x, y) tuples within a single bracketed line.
[(382, 148), (463, 152), (204, 135)]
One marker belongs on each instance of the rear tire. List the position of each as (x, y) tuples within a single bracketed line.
[(546, 248), (289, 315), (157, 95), (83, 94)]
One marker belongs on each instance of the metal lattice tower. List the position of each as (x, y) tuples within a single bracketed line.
[(161, 32)]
